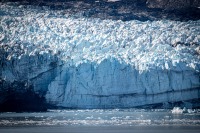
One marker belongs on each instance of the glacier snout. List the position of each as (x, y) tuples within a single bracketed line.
[(112, 84)]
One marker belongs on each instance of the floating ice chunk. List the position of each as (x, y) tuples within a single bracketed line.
[(190, 111), (113, 0), (177, 110)]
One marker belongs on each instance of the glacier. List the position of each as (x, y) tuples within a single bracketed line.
[(78, 62)]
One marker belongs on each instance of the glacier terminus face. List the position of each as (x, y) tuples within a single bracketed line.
[(78, 62)]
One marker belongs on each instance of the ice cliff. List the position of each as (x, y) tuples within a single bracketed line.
[(78, 62)]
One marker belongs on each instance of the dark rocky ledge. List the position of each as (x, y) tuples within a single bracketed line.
[(125, 10)]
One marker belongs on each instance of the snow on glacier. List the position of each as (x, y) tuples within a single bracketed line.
[(106, 61)]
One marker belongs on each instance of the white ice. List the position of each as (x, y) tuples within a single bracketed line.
[(106, 62)]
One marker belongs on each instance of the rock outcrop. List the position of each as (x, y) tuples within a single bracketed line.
[(142, 10), (173, 4)]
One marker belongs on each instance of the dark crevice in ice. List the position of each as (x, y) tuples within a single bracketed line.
[(18, 98)]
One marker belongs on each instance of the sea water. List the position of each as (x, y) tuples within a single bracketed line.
[(100, 117)]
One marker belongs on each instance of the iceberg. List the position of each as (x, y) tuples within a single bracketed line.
[(177, 110), (79, 62)]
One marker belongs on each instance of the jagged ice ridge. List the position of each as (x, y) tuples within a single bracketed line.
[(83, 62)]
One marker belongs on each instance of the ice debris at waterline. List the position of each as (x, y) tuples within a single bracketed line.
[(177, 110), (79, 62), (111, 117)]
